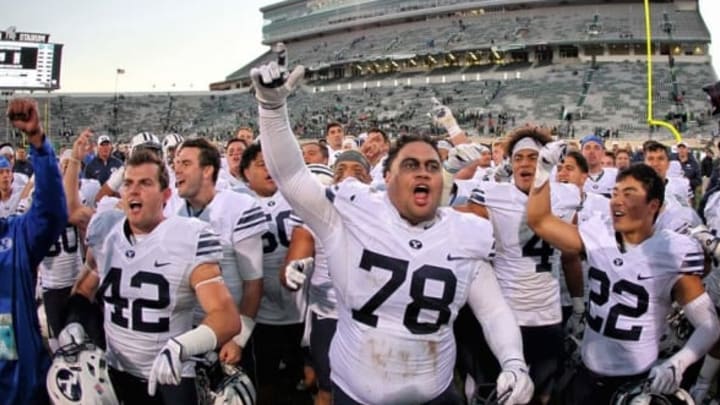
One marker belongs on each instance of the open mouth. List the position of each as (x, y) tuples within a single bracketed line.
[(135, 206), (421, 192), (526, 175)]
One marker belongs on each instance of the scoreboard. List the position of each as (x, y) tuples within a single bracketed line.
[(28, 62)]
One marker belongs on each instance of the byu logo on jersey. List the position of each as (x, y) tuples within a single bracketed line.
[(69, 385), (618, 261), (415, 244), (130, 254), (5, 244)]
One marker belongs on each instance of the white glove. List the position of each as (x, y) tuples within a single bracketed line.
[(708, 241), (699, 391), (503, 173), (550, 155), (272, 83), (514, 378), (73, 333), (167, 367), (665, 378), (296, 272), (442, 116), (576, 323)]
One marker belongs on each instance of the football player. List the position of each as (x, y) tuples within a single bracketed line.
[(151, 271), (401, 266), (635, 274), (276, 342), (238, 220), (524, 262), (600, 179)]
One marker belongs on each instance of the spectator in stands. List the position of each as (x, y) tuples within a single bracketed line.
[(334, 135), (622, 159), (690, 166), (375, 149), (246, 134), (102, 166), (608, 160), (706, 165), (22, 164), (313, 152)]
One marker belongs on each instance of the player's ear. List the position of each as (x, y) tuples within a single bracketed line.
[(167, 193)]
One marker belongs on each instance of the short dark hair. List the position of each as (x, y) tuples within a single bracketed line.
[(234, 140), (653, 184), (401, 142), (579, 160), (381, 132), (248, 156), (611, 155), (145, 156), (540, 135), (323, 149), (208, 154), (332, 125), (655, 146), (625, 151)]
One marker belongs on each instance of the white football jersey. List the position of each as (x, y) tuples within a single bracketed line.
[(524, 262), (229, 180), (145, 286), (278, 305), (712, 213), (630, 295), (62, 262), (376, 173), (461, 191), (321, 293), (234, 217), (592, 203), (601, 183), (678, 188), (399, 288), (676, 217), (10, 206)]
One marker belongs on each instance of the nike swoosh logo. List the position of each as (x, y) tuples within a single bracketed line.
[(167, 355), (161, 264), (452, 258), (645, 277)]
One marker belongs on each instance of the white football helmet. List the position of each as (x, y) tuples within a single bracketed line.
[(79, 376), (224, 384), (146, 140), (171, 142), (637, 393)]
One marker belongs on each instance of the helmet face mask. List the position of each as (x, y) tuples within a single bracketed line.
[(638, 393), (223, 384)]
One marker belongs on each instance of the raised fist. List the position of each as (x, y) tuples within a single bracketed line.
[(272, 82)]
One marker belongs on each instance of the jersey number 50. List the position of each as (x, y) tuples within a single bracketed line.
[(420, 301)]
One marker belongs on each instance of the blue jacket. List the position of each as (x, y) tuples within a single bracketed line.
[(24, 241)]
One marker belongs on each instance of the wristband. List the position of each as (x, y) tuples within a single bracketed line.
[(199, 340), (578, 304), (248, 324)]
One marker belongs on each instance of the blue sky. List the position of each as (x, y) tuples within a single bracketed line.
[(165, 45)]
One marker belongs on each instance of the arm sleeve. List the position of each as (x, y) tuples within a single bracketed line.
[(701, 314), (498, 322), (296, 183), (47, 216)]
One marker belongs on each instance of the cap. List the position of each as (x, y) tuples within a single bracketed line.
[(592, 138), (102, 139), (353, 156), (7, 149), (4, 163), (683, 144)]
